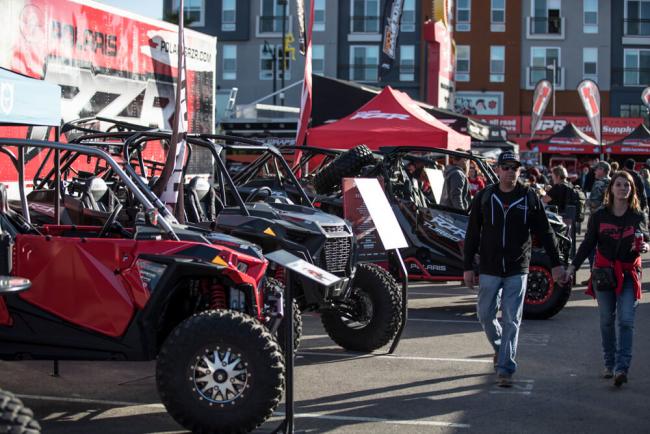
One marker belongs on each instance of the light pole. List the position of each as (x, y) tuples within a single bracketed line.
[(271, 50), (284, 54)]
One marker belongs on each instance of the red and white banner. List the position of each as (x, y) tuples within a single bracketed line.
[(306, 99), (645, 97), (590, 97), (541, 97), (613, 128)]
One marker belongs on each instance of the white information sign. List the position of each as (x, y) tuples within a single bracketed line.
[(382, 214), (303, 267), (437, 181)]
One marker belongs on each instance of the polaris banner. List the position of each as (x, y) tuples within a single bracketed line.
[(392, 16), (590, 96), (645, 97), (541, 97)]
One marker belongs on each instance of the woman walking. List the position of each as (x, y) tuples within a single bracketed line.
[(618, 231)]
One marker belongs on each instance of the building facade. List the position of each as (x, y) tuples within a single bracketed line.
[(346, 42), (488, 56), (630, 42), (566, 40)]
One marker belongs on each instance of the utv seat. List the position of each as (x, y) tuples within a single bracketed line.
[(202, 203), (97, 196)]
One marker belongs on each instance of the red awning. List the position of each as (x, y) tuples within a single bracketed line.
[(391, 118)]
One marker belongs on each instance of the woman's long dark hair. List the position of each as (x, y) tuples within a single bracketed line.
[(632, 200)]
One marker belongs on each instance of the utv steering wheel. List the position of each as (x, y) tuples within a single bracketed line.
[(112, 218), (258, 192)]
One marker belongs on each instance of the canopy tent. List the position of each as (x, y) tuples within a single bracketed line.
[(635, 143), (26, 101), (569, 140), (335, 98), (391, 118)]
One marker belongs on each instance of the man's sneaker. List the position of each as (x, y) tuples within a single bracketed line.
[(608, 373), (504, 380), (620, 378)]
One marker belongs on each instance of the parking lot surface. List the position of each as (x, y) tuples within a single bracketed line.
[(440, 379)]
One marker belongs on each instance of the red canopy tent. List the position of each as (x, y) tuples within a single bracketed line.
[(635, 143), (390, 118), (569, 140)]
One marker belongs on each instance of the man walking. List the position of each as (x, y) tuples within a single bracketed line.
[(501, 220), (455, 190), (601, 171)]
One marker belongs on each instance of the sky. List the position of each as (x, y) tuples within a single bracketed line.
[(148, 8)]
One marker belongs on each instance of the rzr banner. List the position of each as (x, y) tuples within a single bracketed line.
[(645, 97), (300, 11), (541, 97), (590, 96), (392, 16)]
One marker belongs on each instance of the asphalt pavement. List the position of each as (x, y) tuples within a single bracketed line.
[(440, 379)]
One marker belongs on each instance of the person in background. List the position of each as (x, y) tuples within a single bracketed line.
[(455, 190), (540, 179), (602, 170), (645, 177), (560, 193), (502, 218), (584, 178), (618, 232), (614, 166), (476, 181), (638, 183)]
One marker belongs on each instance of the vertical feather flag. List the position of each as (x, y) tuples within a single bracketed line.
[(306, 100)]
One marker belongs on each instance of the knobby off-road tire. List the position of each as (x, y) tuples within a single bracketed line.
[(347, 164), (544, 297), (376, 301), (220, 371), (15, 418)]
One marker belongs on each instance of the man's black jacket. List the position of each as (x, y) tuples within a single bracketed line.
[(500, 232)]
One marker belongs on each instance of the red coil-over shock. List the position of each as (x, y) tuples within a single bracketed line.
[(217, 294)]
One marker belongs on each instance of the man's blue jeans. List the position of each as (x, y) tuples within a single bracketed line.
[(620, 308), (508, 294)]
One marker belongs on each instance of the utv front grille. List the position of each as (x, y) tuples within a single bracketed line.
[(337, 253)]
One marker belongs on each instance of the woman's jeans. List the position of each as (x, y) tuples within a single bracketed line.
[(620, 308), (506, 293)]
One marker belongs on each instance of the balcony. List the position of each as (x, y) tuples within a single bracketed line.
[(632, 77), (537, 73), (545, 27), (636, 31), (272, 26)]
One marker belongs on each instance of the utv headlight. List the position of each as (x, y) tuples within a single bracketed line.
[(150, 273)]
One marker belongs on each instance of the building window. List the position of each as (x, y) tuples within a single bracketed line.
[(462, 62), (545, 63), (407, 63), (194, 12), (229, 62), (463, 15), (590, 63), (637, 18), (318, 59), (633, 111), (363, 62), (636, 64), (365, 16), (497, 63), (267, 52), (498, 16), (270, 20), (319, 15), (408, 16), (546, 17), (229, 16), (590, 16)]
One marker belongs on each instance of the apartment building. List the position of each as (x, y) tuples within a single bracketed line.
[(346, 44), (630, 42), (566, 41), (488, 56)]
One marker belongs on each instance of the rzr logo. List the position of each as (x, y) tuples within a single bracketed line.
[(376, 114), (6, 97), (554, 125)]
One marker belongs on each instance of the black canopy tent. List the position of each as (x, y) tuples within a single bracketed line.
[(334, 98)]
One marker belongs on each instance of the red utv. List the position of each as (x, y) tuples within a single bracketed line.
[(156, 291)]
